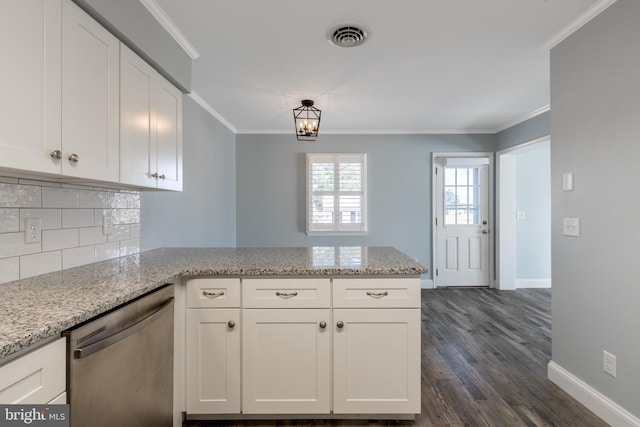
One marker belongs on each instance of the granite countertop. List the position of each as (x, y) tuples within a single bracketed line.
[(36, 309)]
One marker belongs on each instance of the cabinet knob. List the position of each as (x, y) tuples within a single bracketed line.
[(323, 324), (340, 324), (231, 324), (74, 158), (154, 175), (56, 154), (162, 176)]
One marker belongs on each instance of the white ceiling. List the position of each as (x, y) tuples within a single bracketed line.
[(430, 66)]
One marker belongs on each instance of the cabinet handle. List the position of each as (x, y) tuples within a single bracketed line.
[(377, 294), (212, 294), (231, 324), (340, 324), (56, 154), (323, 324), (74, 158), (287, 294)]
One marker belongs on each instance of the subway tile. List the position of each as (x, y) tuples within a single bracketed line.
[(91, 236), (99, 215), (129, 247), (59, 239), (9, 220), (75, 218), (107, 251), (9, 269), (20, 196), (42, 263), (94, 199), (12, 244), (126, 200), (78, 256), (59, 198), (129, 216), (135, 231), (120, 232), (51, 218)]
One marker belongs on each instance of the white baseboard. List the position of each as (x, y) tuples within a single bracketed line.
[(533, 283), (596, 402), (426, 284)]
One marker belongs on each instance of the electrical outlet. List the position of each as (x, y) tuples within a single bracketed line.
[(609, 363), (33, 230)]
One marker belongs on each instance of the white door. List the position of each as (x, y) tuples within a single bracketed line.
[(286, 361), (213, 361), (30, 42), (376, 367), (462, 221), (90, 97)]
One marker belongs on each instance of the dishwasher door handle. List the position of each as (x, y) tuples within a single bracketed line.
[(123, 333)]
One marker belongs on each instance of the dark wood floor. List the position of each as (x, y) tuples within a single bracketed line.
[(484, 363)]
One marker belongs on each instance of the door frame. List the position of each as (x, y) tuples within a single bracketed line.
[(434, 213), (505, 226)]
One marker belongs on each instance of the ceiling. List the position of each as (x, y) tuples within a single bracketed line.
[(429, 66)]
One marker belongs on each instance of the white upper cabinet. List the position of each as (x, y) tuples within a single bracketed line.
[(90, 97), (30, 42), (150, 126)]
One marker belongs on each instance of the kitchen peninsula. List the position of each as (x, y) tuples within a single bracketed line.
[(336, 299)]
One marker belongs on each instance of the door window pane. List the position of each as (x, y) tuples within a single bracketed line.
[(462, 196)]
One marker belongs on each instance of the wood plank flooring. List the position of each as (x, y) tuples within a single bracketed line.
[(484, 363)]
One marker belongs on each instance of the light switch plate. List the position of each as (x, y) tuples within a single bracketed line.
[(521, 215), (571, 227), (567, 181)]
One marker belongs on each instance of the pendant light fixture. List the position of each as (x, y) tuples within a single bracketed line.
[(306, 119)]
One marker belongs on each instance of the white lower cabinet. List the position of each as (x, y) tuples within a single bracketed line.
[(376, 361), (307, 346), (213, 361), (286, 361), (38, 377)]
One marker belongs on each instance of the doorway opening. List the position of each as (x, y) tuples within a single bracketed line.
[(523, 220)]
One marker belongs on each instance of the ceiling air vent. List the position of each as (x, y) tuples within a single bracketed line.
[(348, 34)]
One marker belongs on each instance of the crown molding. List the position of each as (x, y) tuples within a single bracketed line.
[(574, 25), (531, 115), (161, 16), (369, 132), (212, 111)]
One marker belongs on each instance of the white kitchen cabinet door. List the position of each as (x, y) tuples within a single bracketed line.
[(30, 42), (213, 361), (376, 365), (137, 120), (169, 136), (38, 377), (286, 361), (90, 97)]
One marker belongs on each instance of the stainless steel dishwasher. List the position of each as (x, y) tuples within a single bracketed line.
[(120, 365)]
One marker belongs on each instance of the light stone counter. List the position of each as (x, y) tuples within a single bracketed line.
[(36, 309)]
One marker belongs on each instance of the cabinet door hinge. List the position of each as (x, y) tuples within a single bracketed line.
[(436, 171), (436, 271), (436, 221)]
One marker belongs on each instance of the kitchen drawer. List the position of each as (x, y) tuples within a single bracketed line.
[(37, 377), (286, 293), (376, 293), (213, 293)]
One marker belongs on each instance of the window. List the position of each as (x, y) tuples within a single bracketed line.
[(336, 193)]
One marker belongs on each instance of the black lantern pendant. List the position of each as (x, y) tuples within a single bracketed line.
[(306, 119)]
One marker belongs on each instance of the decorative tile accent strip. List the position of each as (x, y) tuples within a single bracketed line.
[(72, 232)]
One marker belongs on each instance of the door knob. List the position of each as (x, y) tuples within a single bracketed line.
[(485, 231)]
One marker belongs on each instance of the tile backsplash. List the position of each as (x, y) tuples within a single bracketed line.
[(80, 225)]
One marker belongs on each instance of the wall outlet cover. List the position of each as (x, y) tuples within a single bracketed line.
[(571, 227), (33, 230), (609, 363)]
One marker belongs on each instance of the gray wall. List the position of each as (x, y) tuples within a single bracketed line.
[(270, 173), (533, 237), (132, 23), (529, 130), (204, 213), (595, 128)]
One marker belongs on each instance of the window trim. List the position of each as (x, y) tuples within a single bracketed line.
[(335, 228)]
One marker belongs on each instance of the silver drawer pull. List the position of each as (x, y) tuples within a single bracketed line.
[(212, 294), (377, 294), (286, 294)]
